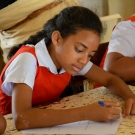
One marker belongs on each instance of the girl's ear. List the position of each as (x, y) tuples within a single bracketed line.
[(56, 37)]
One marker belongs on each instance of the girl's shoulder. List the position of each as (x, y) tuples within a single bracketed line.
[(21, 70)]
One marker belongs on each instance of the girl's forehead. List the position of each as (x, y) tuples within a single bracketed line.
[(85, 38), (86, 35)]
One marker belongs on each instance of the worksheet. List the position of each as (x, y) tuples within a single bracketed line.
[(80, 127)]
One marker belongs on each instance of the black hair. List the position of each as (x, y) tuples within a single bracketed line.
[(69, 21)]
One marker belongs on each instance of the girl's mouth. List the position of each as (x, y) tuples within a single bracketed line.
[(76, 69)]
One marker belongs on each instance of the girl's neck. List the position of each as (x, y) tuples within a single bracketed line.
[(51, 52), (58, 70)]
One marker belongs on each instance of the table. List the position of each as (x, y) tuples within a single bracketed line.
[(127, 126)]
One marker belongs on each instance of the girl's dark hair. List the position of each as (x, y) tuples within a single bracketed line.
[(67, 22)]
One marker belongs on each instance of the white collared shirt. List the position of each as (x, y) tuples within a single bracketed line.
[(123, 39), (23, 68)]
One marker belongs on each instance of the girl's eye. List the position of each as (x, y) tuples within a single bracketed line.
[(90, 56), (77, 50)]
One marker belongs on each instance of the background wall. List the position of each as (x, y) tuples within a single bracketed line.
[(106, 7), (100, 7), (124, 7)]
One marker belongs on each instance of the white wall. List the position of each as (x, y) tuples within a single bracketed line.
[(100, 7), (124, 7), (105, 7)]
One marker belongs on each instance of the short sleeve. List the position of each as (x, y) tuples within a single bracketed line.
[(123, 39), (21, 70), (85, 69)]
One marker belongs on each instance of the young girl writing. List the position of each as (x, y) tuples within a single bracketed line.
[(40, 68)]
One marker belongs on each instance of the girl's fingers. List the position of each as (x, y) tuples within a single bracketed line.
[(115, 113), (125, 112), (111, 103), (128, 108), (133, 110), (115, 116)]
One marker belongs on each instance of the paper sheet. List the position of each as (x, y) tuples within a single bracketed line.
[(80, 127)]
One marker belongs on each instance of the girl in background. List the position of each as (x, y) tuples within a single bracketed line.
[(40, 68)]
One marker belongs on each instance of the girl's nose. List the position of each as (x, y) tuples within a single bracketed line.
[(84, 60)]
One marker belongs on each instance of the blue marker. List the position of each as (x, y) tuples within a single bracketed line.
[(101, 103)]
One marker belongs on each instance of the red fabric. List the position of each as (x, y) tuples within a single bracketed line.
[(96, 85), (103, 59), (132, 18), (47, 87)]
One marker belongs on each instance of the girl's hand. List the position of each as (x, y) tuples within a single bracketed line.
[(103, 113), (129, 107)]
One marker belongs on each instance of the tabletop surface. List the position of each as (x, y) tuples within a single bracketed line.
[(127, 126)]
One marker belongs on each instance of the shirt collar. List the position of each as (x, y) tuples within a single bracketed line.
[(44, 58)]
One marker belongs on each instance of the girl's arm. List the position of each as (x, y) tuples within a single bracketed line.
[(116, 85), (3, 124), (125, 70), (25, 116)]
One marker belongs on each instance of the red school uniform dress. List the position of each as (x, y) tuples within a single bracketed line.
[(47, 86), (33, 66)]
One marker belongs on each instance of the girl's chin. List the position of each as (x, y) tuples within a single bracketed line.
[(71, 72)]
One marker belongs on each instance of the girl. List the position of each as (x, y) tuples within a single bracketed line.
[(40, 68)]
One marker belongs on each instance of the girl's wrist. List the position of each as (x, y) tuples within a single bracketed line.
[(129, 95)]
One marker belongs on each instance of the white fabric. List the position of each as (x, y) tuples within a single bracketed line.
[(20, 72), (13, 14), (25, 71), (85, 69), (44, 58), (123, 39)]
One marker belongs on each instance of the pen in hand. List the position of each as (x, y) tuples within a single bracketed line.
[(101, 103), (118, 113)]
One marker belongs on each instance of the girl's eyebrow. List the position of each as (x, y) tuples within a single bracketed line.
[(85, 46)]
